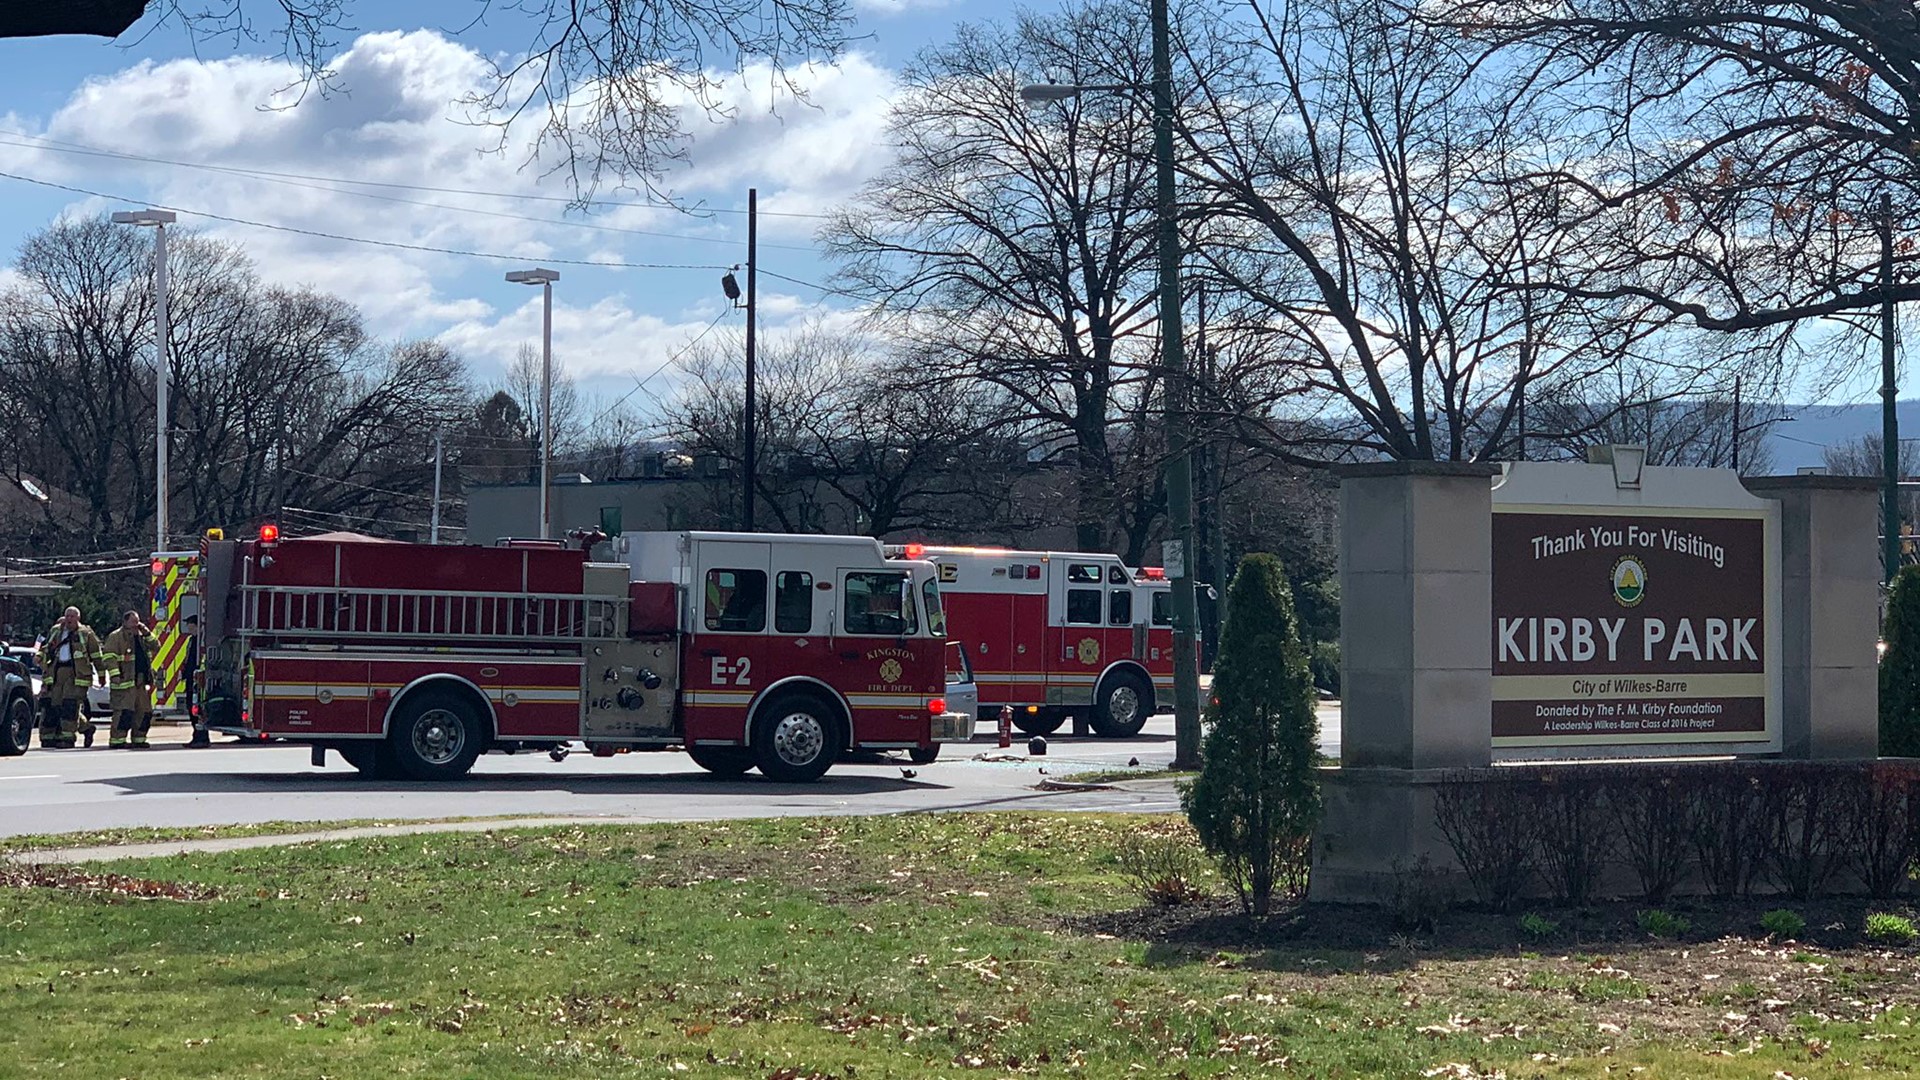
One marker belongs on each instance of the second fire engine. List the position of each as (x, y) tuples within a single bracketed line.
[(1055, 634)]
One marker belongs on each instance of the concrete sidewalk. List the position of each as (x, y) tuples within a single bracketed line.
[(168, 848)]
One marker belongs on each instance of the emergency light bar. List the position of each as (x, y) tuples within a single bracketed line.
[(269, 533)]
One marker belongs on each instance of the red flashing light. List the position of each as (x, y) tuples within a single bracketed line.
[(916, 551), (269, 533), (936, 706), (1154, 573), (159, 568)]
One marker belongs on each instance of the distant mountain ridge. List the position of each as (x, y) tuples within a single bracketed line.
[(1802, 442)]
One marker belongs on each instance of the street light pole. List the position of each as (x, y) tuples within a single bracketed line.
[(439, 455), (545, 279), (1177, 552), (1179, 469), (163, 373)]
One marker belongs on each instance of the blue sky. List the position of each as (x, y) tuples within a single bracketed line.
[(63, 101)]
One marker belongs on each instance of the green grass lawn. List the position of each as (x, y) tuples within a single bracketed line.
[(860, 947)]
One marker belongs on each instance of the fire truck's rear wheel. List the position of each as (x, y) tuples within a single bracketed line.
[(1125, 703), (796, 739), (18, 727), (437, 736), (924, 755), (722, 760), (1040, 723)]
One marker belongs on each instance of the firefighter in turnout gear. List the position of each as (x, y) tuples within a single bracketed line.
[(72, 659), (132, 652)]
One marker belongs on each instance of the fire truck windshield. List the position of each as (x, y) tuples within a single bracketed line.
[(880, 603)]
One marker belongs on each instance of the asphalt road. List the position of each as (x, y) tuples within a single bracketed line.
[(232, 783)]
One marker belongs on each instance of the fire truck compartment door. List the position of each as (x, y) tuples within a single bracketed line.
[(631, 687)]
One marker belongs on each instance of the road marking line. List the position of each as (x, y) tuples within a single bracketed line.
[(36, 776)]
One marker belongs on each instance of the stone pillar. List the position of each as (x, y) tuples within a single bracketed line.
[(1829, 613), (1416, 657), (1416, 615)]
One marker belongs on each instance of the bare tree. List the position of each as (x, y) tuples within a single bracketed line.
[(848, 440), (1862, 457), (1731, 157), (280, 399), (1014, 245), (609, 77), (1364, 207), (522, 382)]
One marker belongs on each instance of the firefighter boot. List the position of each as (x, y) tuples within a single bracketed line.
[(141, 724), (122, 724), (86, 734), (200, 741), (66, 727)]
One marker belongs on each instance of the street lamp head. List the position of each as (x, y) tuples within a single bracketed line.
[(538, 276), (143, 217), (1034, 93)]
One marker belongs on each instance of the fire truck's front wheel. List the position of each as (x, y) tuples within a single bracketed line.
[(1126, 700), (437, 736), (796, 739), (722, 760)]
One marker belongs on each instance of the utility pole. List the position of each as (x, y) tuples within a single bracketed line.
[(1736, 425), (1179, 477), (433, 536), (1521, 420), (1889, 416), (747, 459), (1217, 465)]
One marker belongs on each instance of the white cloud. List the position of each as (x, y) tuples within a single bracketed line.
[(396, 122)]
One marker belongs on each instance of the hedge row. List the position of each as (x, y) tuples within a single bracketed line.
[(1725, 828)]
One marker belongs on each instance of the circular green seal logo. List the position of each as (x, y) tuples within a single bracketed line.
[(1629, 580)]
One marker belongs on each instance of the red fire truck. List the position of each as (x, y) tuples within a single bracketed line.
[(1056, 634), (775, 652)]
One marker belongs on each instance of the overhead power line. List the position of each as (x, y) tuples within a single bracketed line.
[(828, 289), (322, 185), (430, 249), (43, 142)]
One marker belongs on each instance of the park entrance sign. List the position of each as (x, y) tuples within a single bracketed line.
[(1567, 611), (1635, 613)]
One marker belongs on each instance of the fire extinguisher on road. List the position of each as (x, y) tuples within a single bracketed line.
[(1006, 727)]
